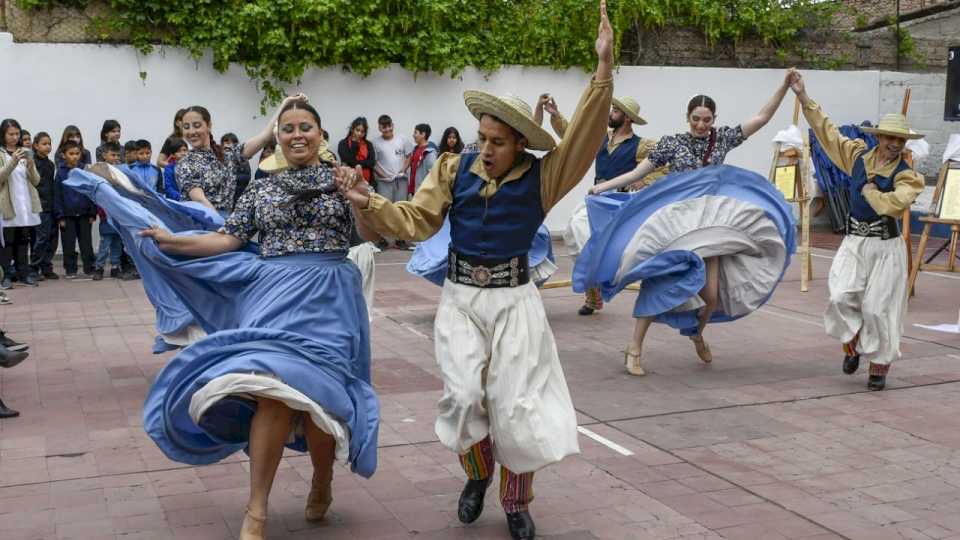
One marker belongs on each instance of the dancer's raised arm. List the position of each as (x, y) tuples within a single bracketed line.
[(257, 142), (757, 121)]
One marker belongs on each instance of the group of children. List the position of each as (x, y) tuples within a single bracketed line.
[(67, 217)]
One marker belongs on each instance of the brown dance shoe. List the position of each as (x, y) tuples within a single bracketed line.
[(632, 362), (254, 527), (319, 500), (703, 350)]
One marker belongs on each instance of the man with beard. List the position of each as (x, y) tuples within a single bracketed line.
[(620, 152)]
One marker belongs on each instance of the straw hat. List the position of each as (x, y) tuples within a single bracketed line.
[(514, 112), (631, 108), (894, 125)]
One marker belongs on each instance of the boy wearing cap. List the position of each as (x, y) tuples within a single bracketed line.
[(619, 153), (868, 277), (505, 398)]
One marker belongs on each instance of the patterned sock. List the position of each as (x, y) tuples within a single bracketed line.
[(516, 490), (478, 461), (592, 299), (879, 369), (850, 349)]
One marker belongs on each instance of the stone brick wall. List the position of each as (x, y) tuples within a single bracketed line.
[(925, 113), (842, 48), (57, 25)]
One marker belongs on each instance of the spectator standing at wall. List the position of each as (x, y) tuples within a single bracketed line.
[(177, 148), (450, 142), (75, 214), (47, 234), (229, 140), (129, 152), (111, 246), (19, 202), (109, 133), (422, 158), (166, 151), (355, 149), (392, 151), (72, 133)]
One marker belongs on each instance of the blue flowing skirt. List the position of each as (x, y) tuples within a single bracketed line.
[(300, 319), (660, 236), (429, 259), (172, 317)]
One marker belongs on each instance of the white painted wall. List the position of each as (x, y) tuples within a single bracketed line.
[(47, 86)]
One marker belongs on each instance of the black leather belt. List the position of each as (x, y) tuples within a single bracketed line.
[(885, 228), (487, 273)]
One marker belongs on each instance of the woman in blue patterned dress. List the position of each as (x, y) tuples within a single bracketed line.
[(700, 146), (287, 358)]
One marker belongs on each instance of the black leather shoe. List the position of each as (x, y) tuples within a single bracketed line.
[(6, 412), (9, 358), (12, 345), (585, 310), (877, 382), (471, 500), (850, 364), (521, 526)]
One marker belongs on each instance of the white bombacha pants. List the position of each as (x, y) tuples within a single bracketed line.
[(502, 377), (362, 256), (868, 294)]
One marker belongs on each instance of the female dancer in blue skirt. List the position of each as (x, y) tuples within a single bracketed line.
[(702, 145), (287, 358)]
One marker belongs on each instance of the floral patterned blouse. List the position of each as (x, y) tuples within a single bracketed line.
[(288, 224), (684, 152), (201, 169)]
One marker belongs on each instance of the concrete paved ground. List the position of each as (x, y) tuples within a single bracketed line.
[(771, 441)]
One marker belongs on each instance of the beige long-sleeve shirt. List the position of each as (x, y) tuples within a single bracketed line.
[(560, 124), (7, 165), (560, 170), (843, 152)]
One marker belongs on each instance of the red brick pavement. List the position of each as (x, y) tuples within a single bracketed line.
[(771, 441)]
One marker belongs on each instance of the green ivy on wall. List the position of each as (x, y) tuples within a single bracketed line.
[(275, 41)]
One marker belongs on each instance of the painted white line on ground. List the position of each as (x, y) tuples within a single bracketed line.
[(605, 441), (415, 332)]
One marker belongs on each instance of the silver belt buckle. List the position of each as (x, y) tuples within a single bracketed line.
[(481, 275)]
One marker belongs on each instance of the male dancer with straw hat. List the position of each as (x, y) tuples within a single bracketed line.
[(619, 153), (505, 398), (868, 277)]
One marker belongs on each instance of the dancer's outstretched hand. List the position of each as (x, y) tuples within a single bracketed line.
[(300, 96), (157, 234), (604, 36), (796, 82), (350, 182), (551, 107)]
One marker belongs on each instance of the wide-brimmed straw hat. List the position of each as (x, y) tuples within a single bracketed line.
[(631, 108), (514, 112), (894, 125)]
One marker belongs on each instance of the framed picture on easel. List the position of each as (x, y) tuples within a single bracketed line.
[(786, 177), (949, 204)]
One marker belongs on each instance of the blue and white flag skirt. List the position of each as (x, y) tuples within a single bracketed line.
[(660, 236), (174, 322), (290, 328), (429, 259)]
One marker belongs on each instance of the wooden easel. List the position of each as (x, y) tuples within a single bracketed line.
[(800, 166), (931, 220)]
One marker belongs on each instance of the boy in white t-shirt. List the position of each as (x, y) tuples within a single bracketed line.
[(393, 154)]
